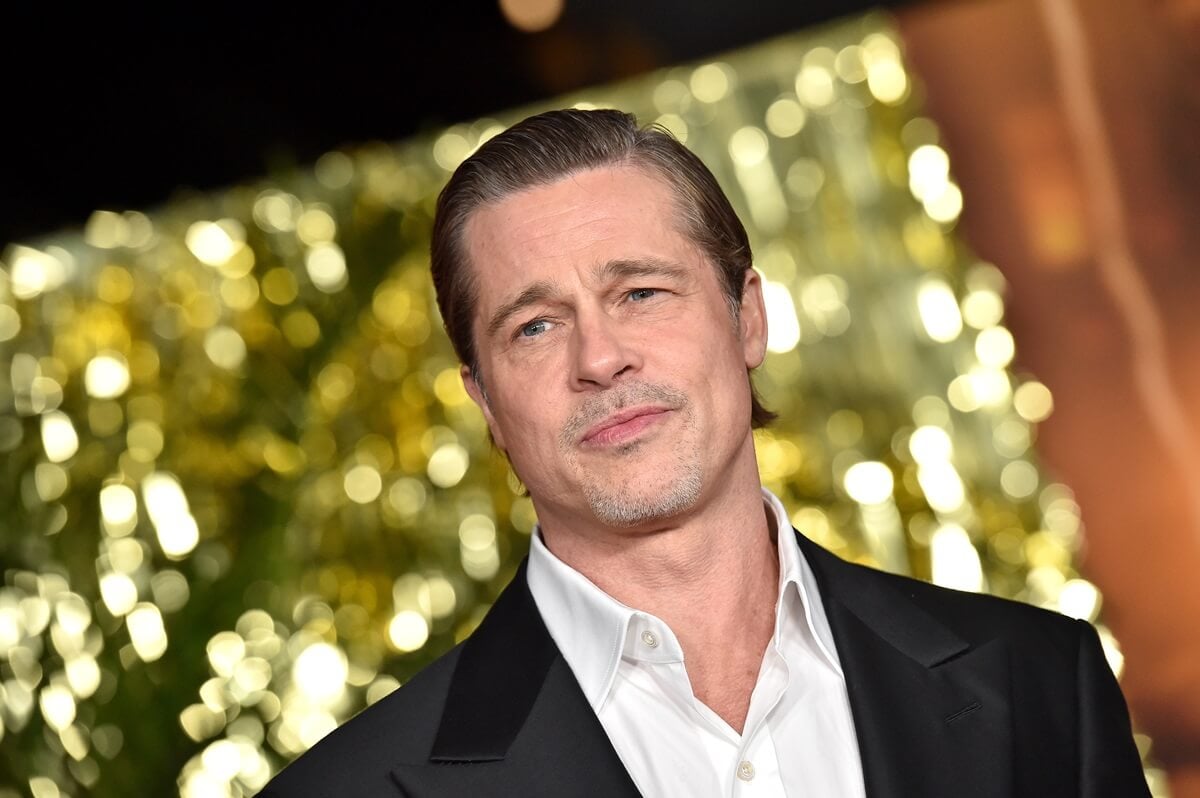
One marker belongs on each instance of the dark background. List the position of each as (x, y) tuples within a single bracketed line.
[(118, 108)]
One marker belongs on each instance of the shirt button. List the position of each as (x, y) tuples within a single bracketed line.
[(745, 770), (650, 639)]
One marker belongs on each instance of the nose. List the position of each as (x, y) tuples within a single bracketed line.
[(600, 352)]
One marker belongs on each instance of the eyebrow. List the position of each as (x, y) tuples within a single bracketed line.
[(615, 270), (610, 271), (532, 294)]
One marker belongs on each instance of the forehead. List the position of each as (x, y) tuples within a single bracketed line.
[(581, 220)]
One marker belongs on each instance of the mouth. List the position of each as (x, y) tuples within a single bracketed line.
[(624, 425)]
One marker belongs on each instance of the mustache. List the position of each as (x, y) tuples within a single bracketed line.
[(600, 406)]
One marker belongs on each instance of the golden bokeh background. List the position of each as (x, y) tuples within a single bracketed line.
[(246, 494)]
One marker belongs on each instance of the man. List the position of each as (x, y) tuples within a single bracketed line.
[(670, 634)]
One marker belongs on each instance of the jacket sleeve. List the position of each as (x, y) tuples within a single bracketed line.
[(1109, 763)]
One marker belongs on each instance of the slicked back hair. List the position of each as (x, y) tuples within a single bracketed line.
[(550, 146)]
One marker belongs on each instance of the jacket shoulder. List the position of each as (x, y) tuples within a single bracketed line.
[(980, 617), (357, 758)]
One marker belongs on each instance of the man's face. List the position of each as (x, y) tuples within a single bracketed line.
[(614, 371)]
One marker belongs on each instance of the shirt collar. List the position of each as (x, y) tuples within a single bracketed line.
[(796, 575), (593, 630)]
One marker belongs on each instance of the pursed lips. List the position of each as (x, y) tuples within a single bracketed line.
[(623, 424)]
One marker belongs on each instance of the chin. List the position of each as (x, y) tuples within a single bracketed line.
[(621, 505)]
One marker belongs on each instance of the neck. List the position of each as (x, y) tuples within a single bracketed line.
[(711, 576), (724, 542)]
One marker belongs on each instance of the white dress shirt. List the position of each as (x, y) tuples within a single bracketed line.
[(798, 739)]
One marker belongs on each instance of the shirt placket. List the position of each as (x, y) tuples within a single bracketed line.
[(757, 773)]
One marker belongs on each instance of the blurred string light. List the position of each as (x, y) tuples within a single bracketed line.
[(532, 16), (241, 401)]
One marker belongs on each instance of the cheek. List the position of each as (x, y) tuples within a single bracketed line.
[(529, 423), (725, 376)]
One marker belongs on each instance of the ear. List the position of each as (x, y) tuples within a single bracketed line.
[(475, 391), (752, 320)]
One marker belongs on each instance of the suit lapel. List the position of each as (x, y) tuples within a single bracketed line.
[(931, 711), (516, 721)]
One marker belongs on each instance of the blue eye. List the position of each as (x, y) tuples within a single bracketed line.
[(533, 328), (639, 294)]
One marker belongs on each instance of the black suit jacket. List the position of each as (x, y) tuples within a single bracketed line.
[(953, 694)]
